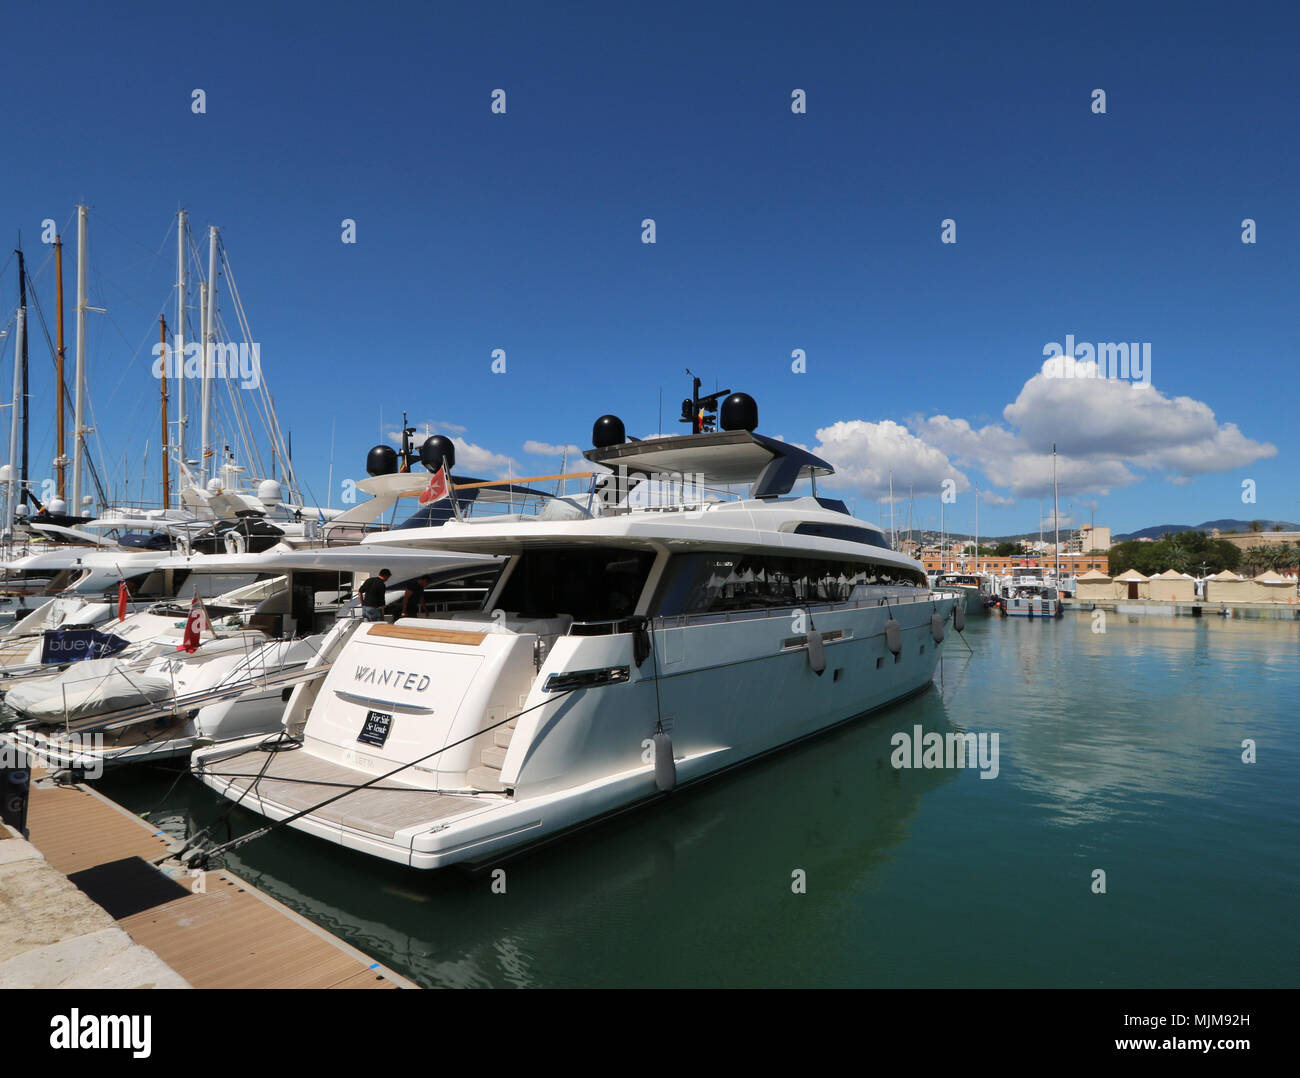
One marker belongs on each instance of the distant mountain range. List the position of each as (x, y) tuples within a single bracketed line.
[(1226, 525), (928, 537)]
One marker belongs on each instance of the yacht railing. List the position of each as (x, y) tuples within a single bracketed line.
[(614, 626)]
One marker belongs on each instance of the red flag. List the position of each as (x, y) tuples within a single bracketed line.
[(122, 594), (196, 623), (437, 488)]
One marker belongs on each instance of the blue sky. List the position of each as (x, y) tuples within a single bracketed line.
[(774, 231)]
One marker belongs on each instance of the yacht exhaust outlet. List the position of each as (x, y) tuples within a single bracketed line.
[(893, 636), (665, 769)]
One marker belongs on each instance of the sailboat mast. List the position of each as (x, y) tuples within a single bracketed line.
[(209, 340), (941, 543), (977, 529), (1056, 517), (23, 492), (166, 478), (178, 350), (893, 536), (80, 396), (60, 391), (12, 486)]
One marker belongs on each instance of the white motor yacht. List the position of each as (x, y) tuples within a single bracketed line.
[(1029, 592), (154, 699), (648, 636)]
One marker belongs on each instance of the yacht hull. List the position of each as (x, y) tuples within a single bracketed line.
[(725, 691)]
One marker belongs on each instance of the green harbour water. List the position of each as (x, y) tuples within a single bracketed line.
[(1119, 751)]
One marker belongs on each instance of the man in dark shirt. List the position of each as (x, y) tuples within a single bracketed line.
[(373, 593), (413, 598)]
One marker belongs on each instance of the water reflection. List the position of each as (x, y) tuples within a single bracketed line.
[(654, 897), (1154, 708)]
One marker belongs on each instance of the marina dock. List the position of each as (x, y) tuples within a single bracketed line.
[(207, 930), (1179, 609)]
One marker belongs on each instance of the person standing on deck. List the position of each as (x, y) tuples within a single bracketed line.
[(413, 598), (374, 593)]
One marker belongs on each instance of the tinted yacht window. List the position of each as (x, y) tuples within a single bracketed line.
[(844, 531), (715, 583), (587, 584)]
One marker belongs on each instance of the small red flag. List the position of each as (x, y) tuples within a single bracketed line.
[(437, 488), (122, 595), (196, 623)]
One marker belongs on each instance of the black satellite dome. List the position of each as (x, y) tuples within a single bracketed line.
[(739, 412), (437, 451), (607, 431), (381, 460)]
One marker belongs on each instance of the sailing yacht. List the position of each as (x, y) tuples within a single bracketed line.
[(649, 636)]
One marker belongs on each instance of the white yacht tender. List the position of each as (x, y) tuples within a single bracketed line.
[(626, 649)]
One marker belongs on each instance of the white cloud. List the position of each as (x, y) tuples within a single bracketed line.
[(474, 459), (864, 453), (424, 430), (1108, 433), (545, 449)]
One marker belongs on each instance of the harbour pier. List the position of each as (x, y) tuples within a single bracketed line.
[(1182, 609), (90, 900)]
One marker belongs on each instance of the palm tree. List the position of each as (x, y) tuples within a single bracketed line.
[(1282, 556), (1257, 559)]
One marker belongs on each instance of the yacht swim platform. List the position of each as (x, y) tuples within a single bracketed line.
[(295, 781)]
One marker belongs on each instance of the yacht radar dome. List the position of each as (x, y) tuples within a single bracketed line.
[(214, 485), (739, 412), (438, 451), (270, 493), (381, 460), (56, 505), (607, 431)]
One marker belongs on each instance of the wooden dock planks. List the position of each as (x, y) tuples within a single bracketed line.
[(227, 935)]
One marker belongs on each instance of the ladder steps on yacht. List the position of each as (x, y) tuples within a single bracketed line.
[(487, 779)]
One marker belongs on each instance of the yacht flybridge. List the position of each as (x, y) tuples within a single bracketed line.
[(647, 635)]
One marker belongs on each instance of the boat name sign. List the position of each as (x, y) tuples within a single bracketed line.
[(397, 679)]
